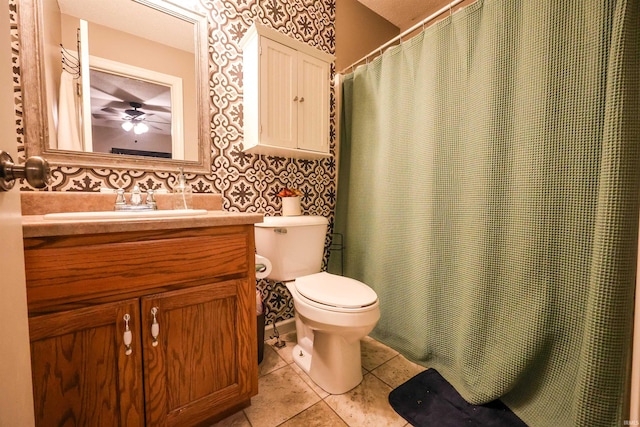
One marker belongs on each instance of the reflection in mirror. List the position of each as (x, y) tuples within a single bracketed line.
[(123, 124), (120, 89), (90, 118)]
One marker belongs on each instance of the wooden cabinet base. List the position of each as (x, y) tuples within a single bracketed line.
[(174, 346)]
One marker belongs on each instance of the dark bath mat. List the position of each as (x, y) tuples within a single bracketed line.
[(428, 400)]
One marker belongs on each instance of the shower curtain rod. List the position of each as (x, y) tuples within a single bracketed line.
[(404, 33)]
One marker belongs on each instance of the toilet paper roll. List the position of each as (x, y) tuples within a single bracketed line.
[(263, 267)]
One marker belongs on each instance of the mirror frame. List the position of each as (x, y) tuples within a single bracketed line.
[(34, 98)]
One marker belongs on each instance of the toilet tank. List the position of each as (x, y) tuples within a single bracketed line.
[(293, 244)]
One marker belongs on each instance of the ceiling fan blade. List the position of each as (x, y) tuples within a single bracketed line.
[(105, 116), (118, 105), (157, 108), (158, 122), (111, 110)]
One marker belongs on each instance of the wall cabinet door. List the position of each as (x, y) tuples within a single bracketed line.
[(313, 104), (204, 355), (294, 98), (278, 94), (82, 373), (286, 94)]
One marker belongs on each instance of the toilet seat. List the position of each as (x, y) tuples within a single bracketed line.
[(335, 291)]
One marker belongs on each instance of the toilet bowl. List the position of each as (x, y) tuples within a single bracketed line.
[(329, 331), (332, 313)]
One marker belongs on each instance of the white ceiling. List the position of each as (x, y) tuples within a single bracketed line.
[(404, 13)]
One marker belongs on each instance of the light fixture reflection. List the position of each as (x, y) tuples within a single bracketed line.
[(138, 127)]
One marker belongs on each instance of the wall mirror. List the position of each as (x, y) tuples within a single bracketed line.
[(118, 84)]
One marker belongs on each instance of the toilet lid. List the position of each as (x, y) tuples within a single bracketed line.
[(336, 291)]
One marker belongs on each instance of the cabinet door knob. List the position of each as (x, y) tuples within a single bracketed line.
[(302, 99), (155, 327), (295, 99), (127, 337)]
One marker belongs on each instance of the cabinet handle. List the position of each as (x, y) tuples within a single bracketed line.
[(295, 99), (302, 99), (155, 327), (127, 338)]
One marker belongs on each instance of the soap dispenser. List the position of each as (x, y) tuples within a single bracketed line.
[(182, 193)]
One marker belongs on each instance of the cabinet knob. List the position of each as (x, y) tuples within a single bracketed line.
[(295, 99), (155, 327), (127, 337), (35, 170), (302, 99)]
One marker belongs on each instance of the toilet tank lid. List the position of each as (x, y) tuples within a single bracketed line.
[(292, 221)]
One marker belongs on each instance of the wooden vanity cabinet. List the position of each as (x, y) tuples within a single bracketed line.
[(194, 363)]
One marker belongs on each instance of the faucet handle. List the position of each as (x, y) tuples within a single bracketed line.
[(120, 200), (151, 201)]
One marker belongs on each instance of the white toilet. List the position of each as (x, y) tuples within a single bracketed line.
[(332, 312)]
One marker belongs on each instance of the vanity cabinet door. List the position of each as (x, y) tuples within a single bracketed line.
[(83, 374), (202, 360)]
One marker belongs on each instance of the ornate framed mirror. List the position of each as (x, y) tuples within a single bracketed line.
[(106, 85)]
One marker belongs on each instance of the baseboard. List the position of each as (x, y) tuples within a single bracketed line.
[(284, 326)]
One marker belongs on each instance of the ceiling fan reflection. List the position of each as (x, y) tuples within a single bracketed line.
[(134, 119)]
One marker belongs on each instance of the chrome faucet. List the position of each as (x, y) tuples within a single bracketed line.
[(135, 200)]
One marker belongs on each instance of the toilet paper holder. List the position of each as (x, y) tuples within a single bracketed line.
[(263, 267)]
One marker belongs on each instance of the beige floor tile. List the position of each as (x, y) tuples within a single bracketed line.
[(236, 420), (289, 336), (287, 394), (270, 362), (397, 370), (366, 405), (319, 415), (375, 353), (281, 395), (303, 375)]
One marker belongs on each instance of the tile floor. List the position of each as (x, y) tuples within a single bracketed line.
[(287, 397)]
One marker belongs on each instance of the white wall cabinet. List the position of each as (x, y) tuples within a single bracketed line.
[(286, 95)]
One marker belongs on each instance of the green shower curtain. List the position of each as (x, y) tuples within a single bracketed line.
[(488, 192)]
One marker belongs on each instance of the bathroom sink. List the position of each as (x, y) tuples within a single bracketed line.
[(150, 214)]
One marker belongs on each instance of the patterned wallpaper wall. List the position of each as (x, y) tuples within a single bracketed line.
[(248, 183)]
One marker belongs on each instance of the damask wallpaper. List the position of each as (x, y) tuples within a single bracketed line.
[(248, 183)]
